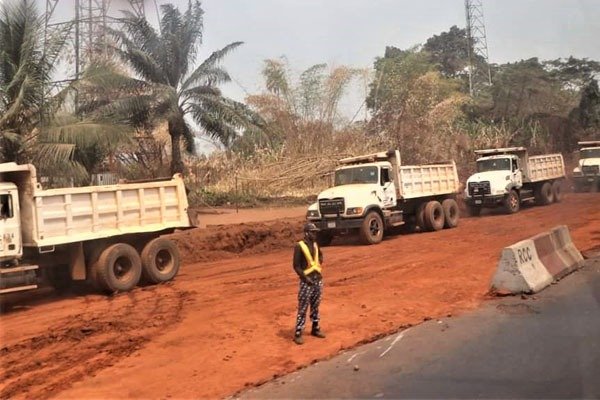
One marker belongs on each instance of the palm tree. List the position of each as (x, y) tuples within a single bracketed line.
[(34, 126), (162, 61), (26, 65)]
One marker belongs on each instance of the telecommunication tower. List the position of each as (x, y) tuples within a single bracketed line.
[(89, 39), (137, 6), (479, 66)]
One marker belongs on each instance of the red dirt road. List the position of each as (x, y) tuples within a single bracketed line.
[(227, 322)]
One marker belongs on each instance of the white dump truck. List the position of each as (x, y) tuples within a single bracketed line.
[(506, 177), (374, 192), (109, 235), (586, 176)]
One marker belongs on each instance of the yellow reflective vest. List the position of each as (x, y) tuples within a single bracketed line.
[(312, 263)]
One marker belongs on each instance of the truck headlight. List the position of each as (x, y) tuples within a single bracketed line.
[(354, 211), (312, 214)]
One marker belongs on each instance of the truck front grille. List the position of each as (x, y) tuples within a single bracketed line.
[(479, 188), (590, 169), (331, 206)]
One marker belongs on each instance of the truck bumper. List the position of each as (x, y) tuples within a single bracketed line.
[(586, 180), (485, 200), (335, 224)]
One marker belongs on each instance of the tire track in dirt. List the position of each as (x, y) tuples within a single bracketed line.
[(102, 334), (237, 329)]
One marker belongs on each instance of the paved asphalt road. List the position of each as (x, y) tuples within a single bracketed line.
[(543, 346)]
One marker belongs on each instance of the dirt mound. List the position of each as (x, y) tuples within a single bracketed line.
[(226, 241)]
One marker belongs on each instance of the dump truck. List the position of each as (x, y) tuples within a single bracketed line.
[(507, 177), (108, 235), (374, 193), (586, 176)]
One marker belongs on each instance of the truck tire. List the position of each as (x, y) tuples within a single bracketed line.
[(324, 238), (118, 269), (557, 191), (451, 213), (512, 202), (434, 216), (420, 216), (544, 194), (371, 231), (473, 211), (160, 260)]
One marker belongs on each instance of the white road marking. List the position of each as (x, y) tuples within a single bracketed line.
[(400, 335)]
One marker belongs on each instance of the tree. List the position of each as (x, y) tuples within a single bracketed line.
[(449, 51), (34, 124), (303, 114), (573, 73), (394, 73), (589, 106), (414, 106), (525, 88), (26, 66), (170, 90)]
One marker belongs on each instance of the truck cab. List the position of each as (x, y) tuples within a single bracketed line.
[(586, 175), (496, 176), (373, 193), (357, 190), (509, 176)]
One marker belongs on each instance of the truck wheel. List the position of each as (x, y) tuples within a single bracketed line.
[(434, 216), (512, 203), (544, 194), (118, 269), (420, 216), (160, 260), (371, 231), (451, 213), (473, 211), (324, 238), (556, 191)]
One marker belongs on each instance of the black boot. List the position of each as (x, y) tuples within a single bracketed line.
[(317, 332), (298, 338)]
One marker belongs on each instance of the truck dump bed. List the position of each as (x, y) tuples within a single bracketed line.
[(415, 180), (428, 180), (77, 214), (544, 167)]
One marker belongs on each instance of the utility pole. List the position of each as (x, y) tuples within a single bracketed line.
[(479, 66)]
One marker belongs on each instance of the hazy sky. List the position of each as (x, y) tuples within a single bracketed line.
[(354, 32)]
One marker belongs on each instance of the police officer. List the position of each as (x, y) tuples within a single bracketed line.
[(307, 264)]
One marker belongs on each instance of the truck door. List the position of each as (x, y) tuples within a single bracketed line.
[(10, 229), (388, 188), (517, 174)]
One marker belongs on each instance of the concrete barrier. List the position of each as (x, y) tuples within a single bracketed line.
[(532, 264)]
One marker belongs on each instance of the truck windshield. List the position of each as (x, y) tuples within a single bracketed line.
[(494, 164), (590, 153), (349, 176)]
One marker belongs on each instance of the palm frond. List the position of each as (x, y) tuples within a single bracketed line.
[(208, 73), (276, 77), (86, 133)]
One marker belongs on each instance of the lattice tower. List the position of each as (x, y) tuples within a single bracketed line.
[(479, 67)]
